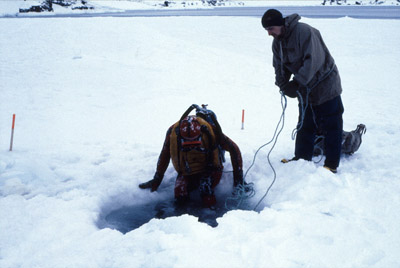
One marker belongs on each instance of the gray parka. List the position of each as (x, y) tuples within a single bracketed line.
[(302, 52)]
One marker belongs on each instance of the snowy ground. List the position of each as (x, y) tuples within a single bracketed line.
[(93, 98)]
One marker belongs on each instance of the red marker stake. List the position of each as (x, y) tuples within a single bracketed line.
[(12, 132), (243, 119)]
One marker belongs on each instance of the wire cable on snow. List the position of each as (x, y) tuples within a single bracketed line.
[(245, 191), (241, 193), (303, 108), (274, 140), (277, 132)]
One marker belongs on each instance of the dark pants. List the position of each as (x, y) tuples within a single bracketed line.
[(325, 119)]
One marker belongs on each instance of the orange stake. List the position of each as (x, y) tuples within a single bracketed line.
[(12, 132), (243, 119)]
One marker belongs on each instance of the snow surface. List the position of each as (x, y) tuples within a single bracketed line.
[(93, 98)]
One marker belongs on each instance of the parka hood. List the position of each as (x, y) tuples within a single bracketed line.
[(290, 22)]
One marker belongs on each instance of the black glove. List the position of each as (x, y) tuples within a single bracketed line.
[(153, 184), (290, 89)]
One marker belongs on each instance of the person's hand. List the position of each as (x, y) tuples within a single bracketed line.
[(290, 89), (153, 184), (146, 185)]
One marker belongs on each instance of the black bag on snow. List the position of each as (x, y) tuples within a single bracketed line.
[(351, 141)]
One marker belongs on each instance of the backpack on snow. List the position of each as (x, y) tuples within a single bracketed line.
[(351, 141)]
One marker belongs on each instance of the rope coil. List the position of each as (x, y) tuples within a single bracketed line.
[(242, 196), (246, 191)]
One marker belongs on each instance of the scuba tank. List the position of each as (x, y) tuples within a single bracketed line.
[(211, 118)]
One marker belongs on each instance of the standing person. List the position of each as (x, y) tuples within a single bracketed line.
[(305, 69)]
